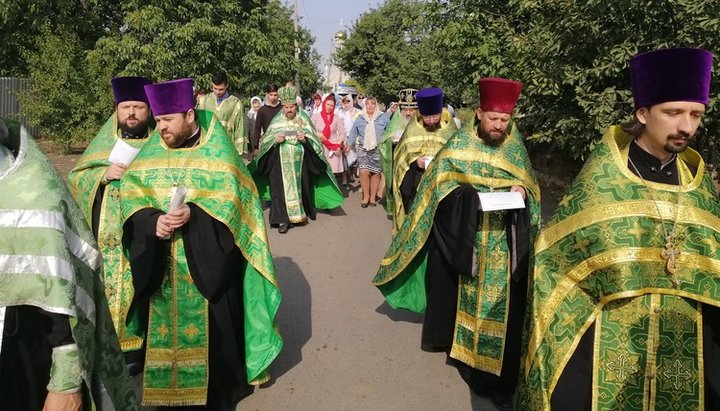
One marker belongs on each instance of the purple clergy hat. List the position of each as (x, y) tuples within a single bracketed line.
[(680, 74), (429, 101), (174, 96), (129, 89)]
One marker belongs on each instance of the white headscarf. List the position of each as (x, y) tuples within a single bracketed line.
[(370, 141)]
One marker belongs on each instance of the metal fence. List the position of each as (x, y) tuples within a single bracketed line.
[(9, 103)]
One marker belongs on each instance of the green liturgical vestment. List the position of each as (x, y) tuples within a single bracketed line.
[(416, 142), (48, 259), (391, 135), (85, 182), (326, 193), (176, 364), (603, 261), (482, 301), (232, 116)]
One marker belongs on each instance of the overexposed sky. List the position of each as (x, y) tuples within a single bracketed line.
[(322, 18)]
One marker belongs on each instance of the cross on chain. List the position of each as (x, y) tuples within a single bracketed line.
[(670, 254)]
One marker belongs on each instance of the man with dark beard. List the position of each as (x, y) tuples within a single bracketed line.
[(291, 169), (464, 266), (195, 236), (95, 184), (424, 136)]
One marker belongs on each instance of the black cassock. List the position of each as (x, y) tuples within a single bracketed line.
[(409, 185), (573, 391), (215, 266), (450, 254), (270, 166), (29, 335)]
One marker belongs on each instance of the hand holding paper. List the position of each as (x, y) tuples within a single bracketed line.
[(123, 153), (501, 200)]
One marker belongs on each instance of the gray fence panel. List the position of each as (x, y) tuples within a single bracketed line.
[(9, 103)]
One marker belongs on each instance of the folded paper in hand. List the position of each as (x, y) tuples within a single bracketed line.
[(123, 153), (428, 160), (178, 198), (501, 200)]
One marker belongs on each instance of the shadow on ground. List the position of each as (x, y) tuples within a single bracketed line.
[(399, 315), (293, 316)]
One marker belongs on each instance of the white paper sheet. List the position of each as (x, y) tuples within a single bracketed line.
[(501, 200), (428, 160), (123, 153)]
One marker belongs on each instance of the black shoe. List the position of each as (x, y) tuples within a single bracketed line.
[(364, 205), (502, 401), (283, 228), (373, 204)]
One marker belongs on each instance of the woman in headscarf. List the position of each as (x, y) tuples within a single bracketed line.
[(365, 135), (331, 130), (255, 104)]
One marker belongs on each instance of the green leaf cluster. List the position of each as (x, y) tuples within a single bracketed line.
[(571, 55), (70, 65)]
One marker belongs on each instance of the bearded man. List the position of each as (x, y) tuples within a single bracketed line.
[(204, 281), (423, 137), (465, 266), (291, 169), (95, 184)]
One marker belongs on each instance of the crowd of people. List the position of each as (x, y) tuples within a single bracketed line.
[(151, 280)]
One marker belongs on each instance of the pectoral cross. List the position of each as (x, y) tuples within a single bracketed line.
[(670, 254)]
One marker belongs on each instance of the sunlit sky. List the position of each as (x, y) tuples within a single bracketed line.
[(322, 18)]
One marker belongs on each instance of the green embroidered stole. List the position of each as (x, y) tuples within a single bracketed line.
[(415, 142), (231, 114), (48, 259), (394, 129), (600, 260), (326, 193), (176, 367), (85, 180), (481, 318)]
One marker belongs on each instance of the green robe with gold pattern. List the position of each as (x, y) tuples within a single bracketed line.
[(393, 132), (232, 116), (479, 326), (415, 142), (602, 262), (85, 181), (326, 193), (176, 361), (48, 259)]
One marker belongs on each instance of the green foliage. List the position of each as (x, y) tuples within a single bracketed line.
[(571, 55), (22, 22), (59, 83), (389, 50), (251, 40)]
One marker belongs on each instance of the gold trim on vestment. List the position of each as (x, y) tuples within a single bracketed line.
[(422, 203), (174, 396), (686, 214), (606, 259)]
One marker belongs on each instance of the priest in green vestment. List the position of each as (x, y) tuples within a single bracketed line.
[(626, 290), (424, 136), (291, 169), (228, 109), (203, 274), (58, 348), (464, 267), (390, 138), (95, 184)]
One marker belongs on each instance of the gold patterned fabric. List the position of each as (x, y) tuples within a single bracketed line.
[(176, 366), (482, 310), (85, 181), (414, 143), (231, 114), (603, 260)]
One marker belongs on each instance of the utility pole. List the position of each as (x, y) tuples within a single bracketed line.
[(297, 49)]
